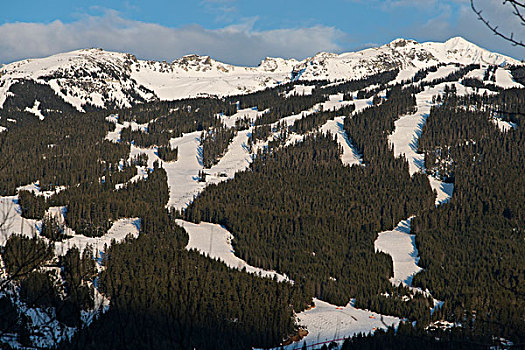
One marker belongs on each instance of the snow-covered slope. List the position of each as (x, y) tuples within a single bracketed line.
[(103, 79)]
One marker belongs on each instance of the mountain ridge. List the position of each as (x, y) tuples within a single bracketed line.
[(104, 79)]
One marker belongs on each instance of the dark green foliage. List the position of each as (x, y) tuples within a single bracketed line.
[(298, 210), (473, 249), (33, 207), (260, 133), (315, 120), (24, 93), (214, 144), (518, 73), (76, 272), (369, 128), (168, 154), (22, 255), (38, 290), (65, 150), (52, 229), (413, 338), (164, 297), (144, 139), (92, 207), (477, 83), (380, 79)]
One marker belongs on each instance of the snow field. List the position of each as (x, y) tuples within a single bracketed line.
[(408, 129), (401, 246), (326, 322), (215, 242), (35, 110), (14, 223), (350, 155)]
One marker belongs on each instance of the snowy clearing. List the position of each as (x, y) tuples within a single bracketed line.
[(301, 90), (326, 322), (35, 110), (11, 221), (35, 188), (14, 223), (503, 125), (118, 232), (114, 136), (505, 80), (215, 241), (246, 113), (401, 246), (407, 132), (440, 73), (350, 155)]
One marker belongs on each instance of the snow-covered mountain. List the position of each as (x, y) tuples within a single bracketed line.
[(101, 78)]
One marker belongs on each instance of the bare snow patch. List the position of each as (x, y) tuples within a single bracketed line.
[(503, 125), (505, 80), (301, 90), (36, 110), (407, 132), (120, 229), (350, 155), (326, 323), (246, 113), (35, 188), (215, 241), (401, 246)]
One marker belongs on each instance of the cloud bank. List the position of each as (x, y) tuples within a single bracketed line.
[(236, 44)]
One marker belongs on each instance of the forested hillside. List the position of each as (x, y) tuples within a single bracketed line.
[(300, 179)]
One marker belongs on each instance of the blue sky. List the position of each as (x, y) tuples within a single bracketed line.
[(240, 31)]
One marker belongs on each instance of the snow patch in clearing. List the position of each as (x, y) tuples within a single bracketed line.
[(407, 132), (12, 222), (35, 110), (503, 125), (35, 188), (505, 80), (326, 322), (350, 155), (120, 229), (301, 90), (401, 246), (216, 242), (246, 113), (441, 72)]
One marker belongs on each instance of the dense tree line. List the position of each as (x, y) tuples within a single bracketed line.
[(299, 211), (215, 143), (168, 154), (473, 249), (92, 207), (380, 79), (369, 128), (65, 149), (165, 297), (312, 121)]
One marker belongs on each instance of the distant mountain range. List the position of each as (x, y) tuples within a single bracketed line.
[(98, 78)]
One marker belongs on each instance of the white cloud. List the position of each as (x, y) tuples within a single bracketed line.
[(238, 44)]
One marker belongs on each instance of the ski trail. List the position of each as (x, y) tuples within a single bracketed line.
[(404, 139), (215, 242), (401, 246)]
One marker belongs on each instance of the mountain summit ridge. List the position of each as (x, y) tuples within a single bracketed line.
[(104, 78)]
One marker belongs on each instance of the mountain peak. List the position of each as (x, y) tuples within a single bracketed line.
[(401, 42)]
